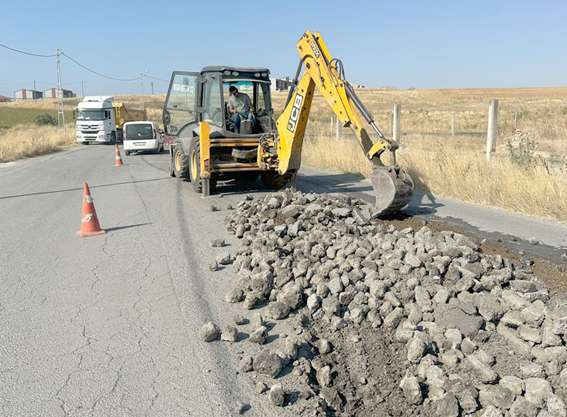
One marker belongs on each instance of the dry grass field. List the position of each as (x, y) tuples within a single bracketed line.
[(527, 174)]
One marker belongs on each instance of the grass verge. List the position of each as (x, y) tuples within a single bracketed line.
[(25, 141), (459, 170)]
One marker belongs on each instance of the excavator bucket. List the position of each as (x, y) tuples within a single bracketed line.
[(393, 188)]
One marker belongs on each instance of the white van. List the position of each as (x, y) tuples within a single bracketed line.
[(142, 136)]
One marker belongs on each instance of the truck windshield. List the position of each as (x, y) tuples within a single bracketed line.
[(90, 114)]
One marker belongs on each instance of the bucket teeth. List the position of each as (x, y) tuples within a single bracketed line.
[(393, 188)]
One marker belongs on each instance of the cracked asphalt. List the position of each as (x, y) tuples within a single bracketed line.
[(108, 325)]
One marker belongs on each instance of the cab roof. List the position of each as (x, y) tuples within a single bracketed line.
[(222, 68)]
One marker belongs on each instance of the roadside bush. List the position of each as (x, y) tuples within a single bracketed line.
[(46, 119), (522, 152)]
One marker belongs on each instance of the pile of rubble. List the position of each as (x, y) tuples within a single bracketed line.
[(464, 333)]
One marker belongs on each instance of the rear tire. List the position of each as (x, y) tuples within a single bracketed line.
[(274, 181), (195, 162), (127, 153), (180, 162)]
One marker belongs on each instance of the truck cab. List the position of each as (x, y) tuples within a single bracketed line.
[(96, 120)]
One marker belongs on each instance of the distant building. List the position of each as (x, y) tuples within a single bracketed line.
[(280, 84), (55, 93), (24, 94), (4, 99)]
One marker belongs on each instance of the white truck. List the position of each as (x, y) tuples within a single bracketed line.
[(100, 119)]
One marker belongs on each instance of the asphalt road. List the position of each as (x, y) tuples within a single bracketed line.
[(108, 325)]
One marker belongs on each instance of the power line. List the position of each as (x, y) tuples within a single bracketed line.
[(26, 53), (79, 64), (159, 79), (97, 73)]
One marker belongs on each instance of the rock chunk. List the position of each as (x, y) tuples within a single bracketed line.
[(460, 316), (277, 395), (268, 363), (278, 310), (412, 390), (209, 332)]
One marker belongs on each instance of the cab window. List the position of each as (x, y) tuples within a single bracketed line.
[(180, 105), (212, 101)]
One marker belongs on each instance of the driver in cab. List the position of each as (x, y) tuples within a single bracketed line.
[(240, 105)]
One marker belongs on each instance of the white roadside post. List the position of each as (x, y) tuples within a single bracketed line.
[(397, 122), (492, 128), (453, 124)]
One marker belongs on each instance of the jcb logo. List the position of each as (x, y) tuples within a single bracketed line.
[(315, 50), (295, 113)]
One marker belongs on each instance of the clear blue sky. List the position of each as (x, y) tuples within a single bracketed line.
[(401, 44)]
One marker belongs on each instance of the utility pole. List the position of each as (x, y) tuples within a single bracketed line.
[(152, 84), (83, 88), (59, 94), (142, 87)]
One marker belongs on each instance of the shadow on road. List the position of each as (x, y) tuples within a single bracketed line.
[(81, 188), (422, 203), (112, 229)]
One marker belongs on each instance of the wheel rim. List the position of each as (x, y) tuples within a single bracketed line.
[(194, 165), (177, 165)]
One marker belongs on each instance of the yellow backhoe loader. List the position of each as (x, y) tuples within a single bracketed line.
[(207, 147)]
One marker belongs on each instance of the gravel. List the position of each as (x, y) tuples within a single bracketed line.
[(392, 322)]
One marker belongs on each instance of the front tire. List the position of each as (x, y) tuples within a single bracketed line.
[(195, 165), (113, 138), (127, 153), (180, 162)]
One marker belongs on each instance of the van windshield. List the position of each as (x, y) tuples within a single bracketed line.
[(90, 114), (139, 131)]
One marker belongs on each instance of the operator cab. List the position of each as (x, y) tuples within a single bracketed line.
[(203, 97)]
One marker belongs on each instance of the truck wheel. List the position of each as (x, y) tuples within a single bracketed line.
[(274, 181), (113, 137), (180, 162), (195, 162)]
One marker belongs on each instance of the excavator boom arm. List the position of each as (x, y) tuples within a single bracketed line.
[(326, 73)]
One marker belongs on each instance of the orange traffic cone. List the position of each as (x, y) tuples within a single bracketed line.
[(118, 158), (89, 222)]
